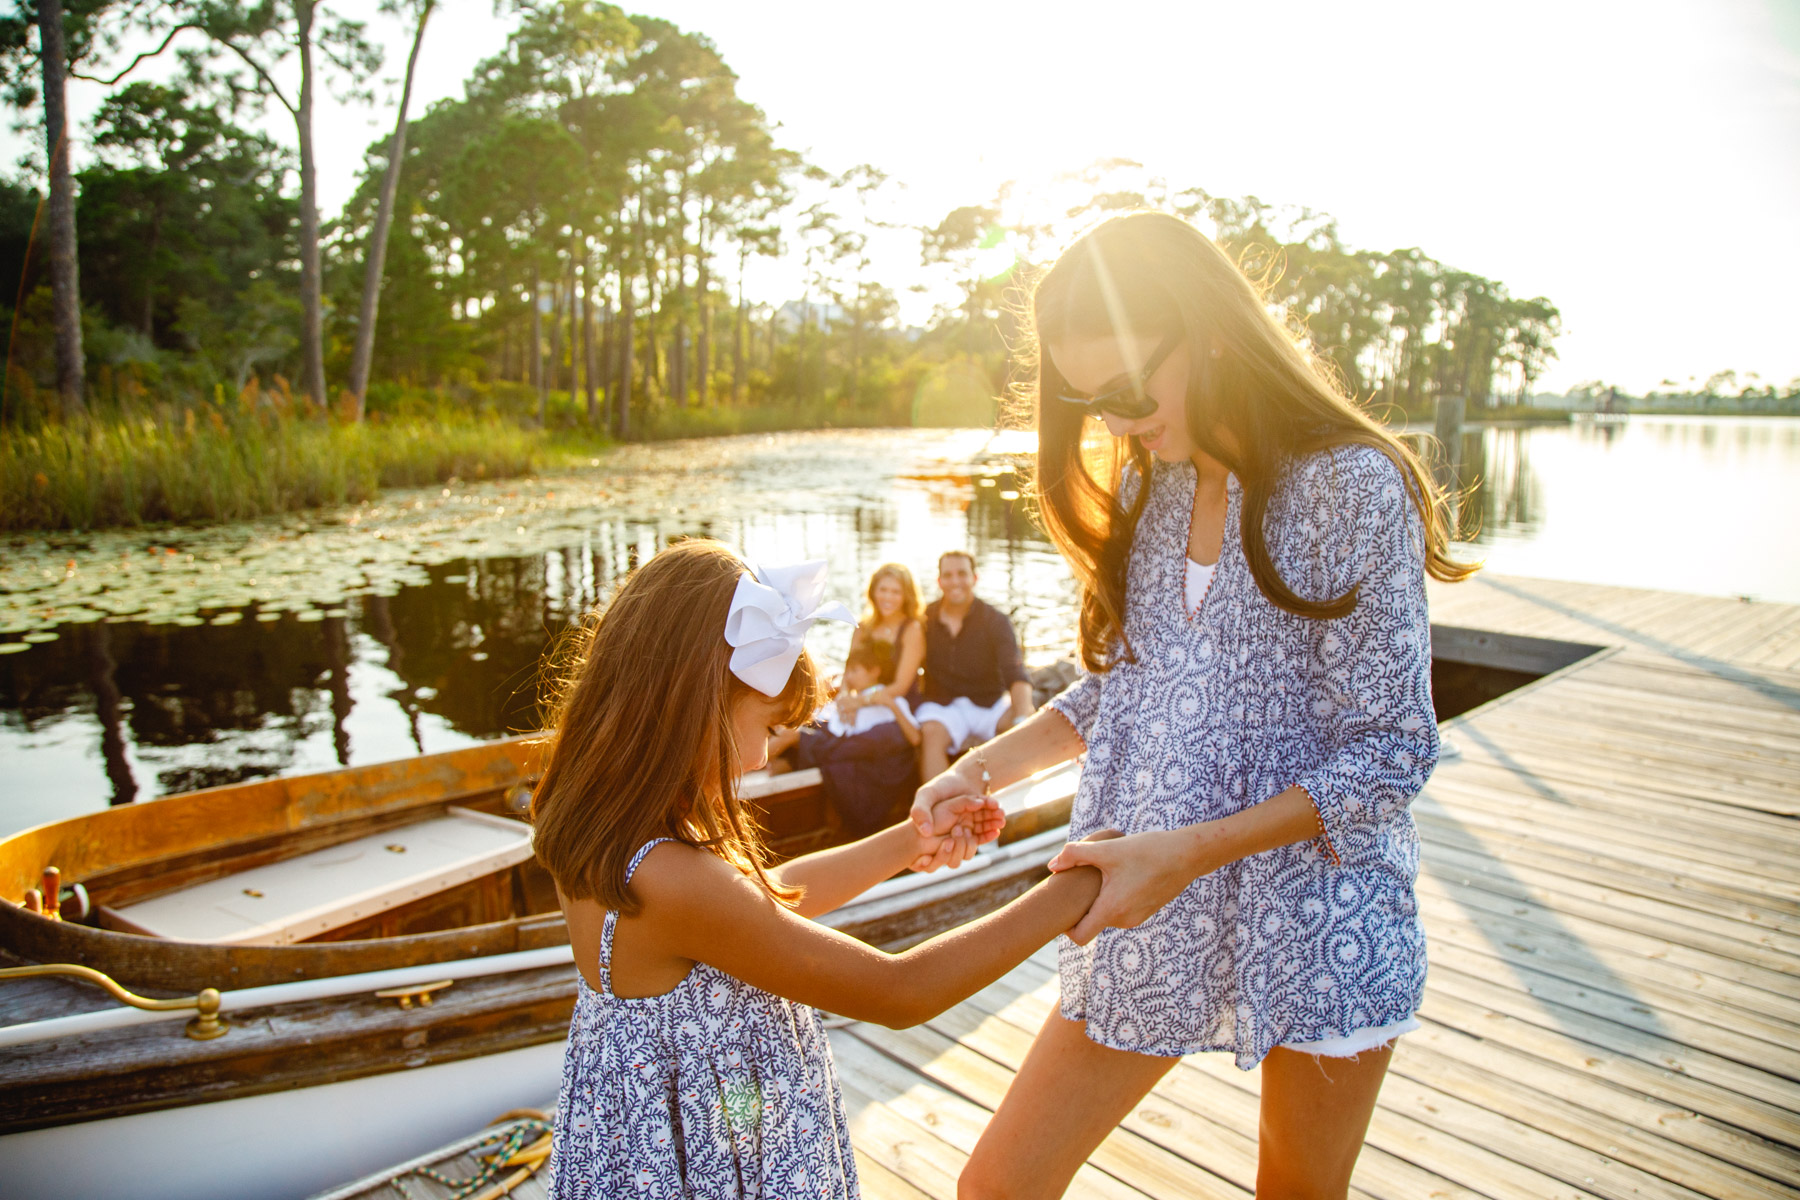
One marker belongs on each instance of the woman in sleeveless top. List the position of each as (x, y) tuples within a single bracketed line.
[(891, 617)]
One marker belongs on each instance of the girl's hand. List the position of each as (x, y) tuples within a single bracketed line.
[(948, 786), (958, 824), (1139, 874)]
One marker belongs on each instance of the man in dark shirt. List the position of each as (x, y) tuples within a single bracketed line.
[(975, 683)]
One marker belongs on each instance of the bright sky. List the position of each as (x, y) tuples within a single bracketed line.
[(1637, 163)]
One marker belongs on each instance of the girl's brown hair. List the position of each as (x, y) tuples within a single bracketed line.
[(1155, 275), (909, 592), (641, 742)]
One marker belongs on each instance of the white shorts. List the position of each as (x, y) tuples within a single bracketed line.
[(1356, 1041), (967, 721)]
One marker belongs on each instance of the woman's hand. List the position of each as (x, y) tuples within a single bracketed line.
[(1139, 874), (947, 786), (956, 826), (847, 704)]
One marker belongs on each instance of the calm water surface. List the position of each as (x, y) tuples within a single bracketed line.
[(134, 665)]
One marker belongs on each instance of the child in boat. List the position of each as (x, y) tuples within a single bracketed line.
[(863, 670), (867, 762), (697, 1062)]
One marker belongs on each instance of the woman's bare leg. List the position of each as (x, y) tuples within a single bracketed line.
[(1068, 1095), (1315, 1114)]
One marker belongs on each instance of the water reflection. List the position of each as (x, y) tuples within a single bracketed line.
[(124, 709)]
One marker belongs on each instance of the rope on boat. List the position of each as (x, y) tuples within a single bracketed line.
[(508, 1149)]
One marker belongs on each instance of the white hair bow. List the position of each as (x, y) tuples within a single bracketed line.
[(770, 613)]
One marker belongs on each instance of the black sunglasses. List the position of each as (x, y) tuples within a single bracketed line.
[(1130, 401)]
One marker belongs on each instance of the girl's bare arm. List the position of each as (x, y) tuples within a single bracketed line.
[(909, 655), (698, 907), (834, 877)]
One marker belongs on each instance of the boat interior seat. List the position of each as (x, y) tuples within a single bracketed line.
[(772, 789), (280, 903)]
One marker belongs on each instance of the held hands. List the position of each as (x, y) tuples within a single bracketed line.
[(952, 827), (1138, 874), (948, 786)]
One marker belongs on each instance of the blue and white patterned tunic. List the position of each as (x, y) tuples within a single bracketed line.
[(1230, 707), (712, 1090)]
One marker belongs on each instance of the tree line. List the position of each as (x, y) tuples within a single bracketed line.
[(581, 223)]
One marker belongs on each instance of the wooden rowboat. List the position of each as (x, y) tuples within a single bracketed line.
[(372, 959)]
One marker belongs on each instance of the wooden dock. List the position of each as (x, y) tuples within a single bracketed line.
[(1611, 887)]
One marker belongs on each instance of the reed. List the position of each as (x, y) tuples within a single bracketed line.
[(212, 464)]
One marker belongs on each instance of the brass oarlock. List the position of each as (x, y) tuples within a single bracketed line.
[(418, 992), (203, 1026)]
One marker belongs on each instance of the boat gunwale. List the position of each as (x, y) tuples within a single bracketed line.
[(284, 808)]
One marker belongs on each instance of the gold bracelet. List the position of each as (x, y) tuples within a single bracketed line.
[(987, 781)]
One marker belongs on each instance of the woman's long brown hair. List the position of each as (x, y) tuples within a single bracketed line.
[(641, 743), (1154, 275)]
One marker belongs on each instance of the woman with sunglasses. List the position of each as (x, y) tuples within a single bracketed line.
[(1252, 550)]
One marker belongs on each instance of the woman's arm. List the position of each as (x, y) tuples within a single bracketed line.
[(909, 657), (1042, 740), (698, 907), (834, 877), (1145, 871), (1377, 726)]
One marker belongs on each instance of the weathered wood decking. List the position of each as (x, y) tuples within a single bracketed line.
[(1611, 889)]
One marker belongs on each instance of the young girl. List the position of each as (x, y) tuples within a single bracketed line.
[(697, 1064), (1252, 551)]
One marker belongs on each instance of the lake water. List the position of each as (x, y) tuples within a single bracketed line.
[(137, 664)]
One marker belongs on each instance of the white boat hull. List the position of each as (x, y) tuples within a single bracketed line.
[(281, 1145)]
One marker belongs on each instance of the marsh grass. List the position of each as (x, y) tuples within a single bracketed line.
[(210, 464), (148, 457)]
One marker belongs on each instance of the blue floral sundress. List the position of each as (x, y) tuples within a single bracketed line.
[(714, 1090)]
